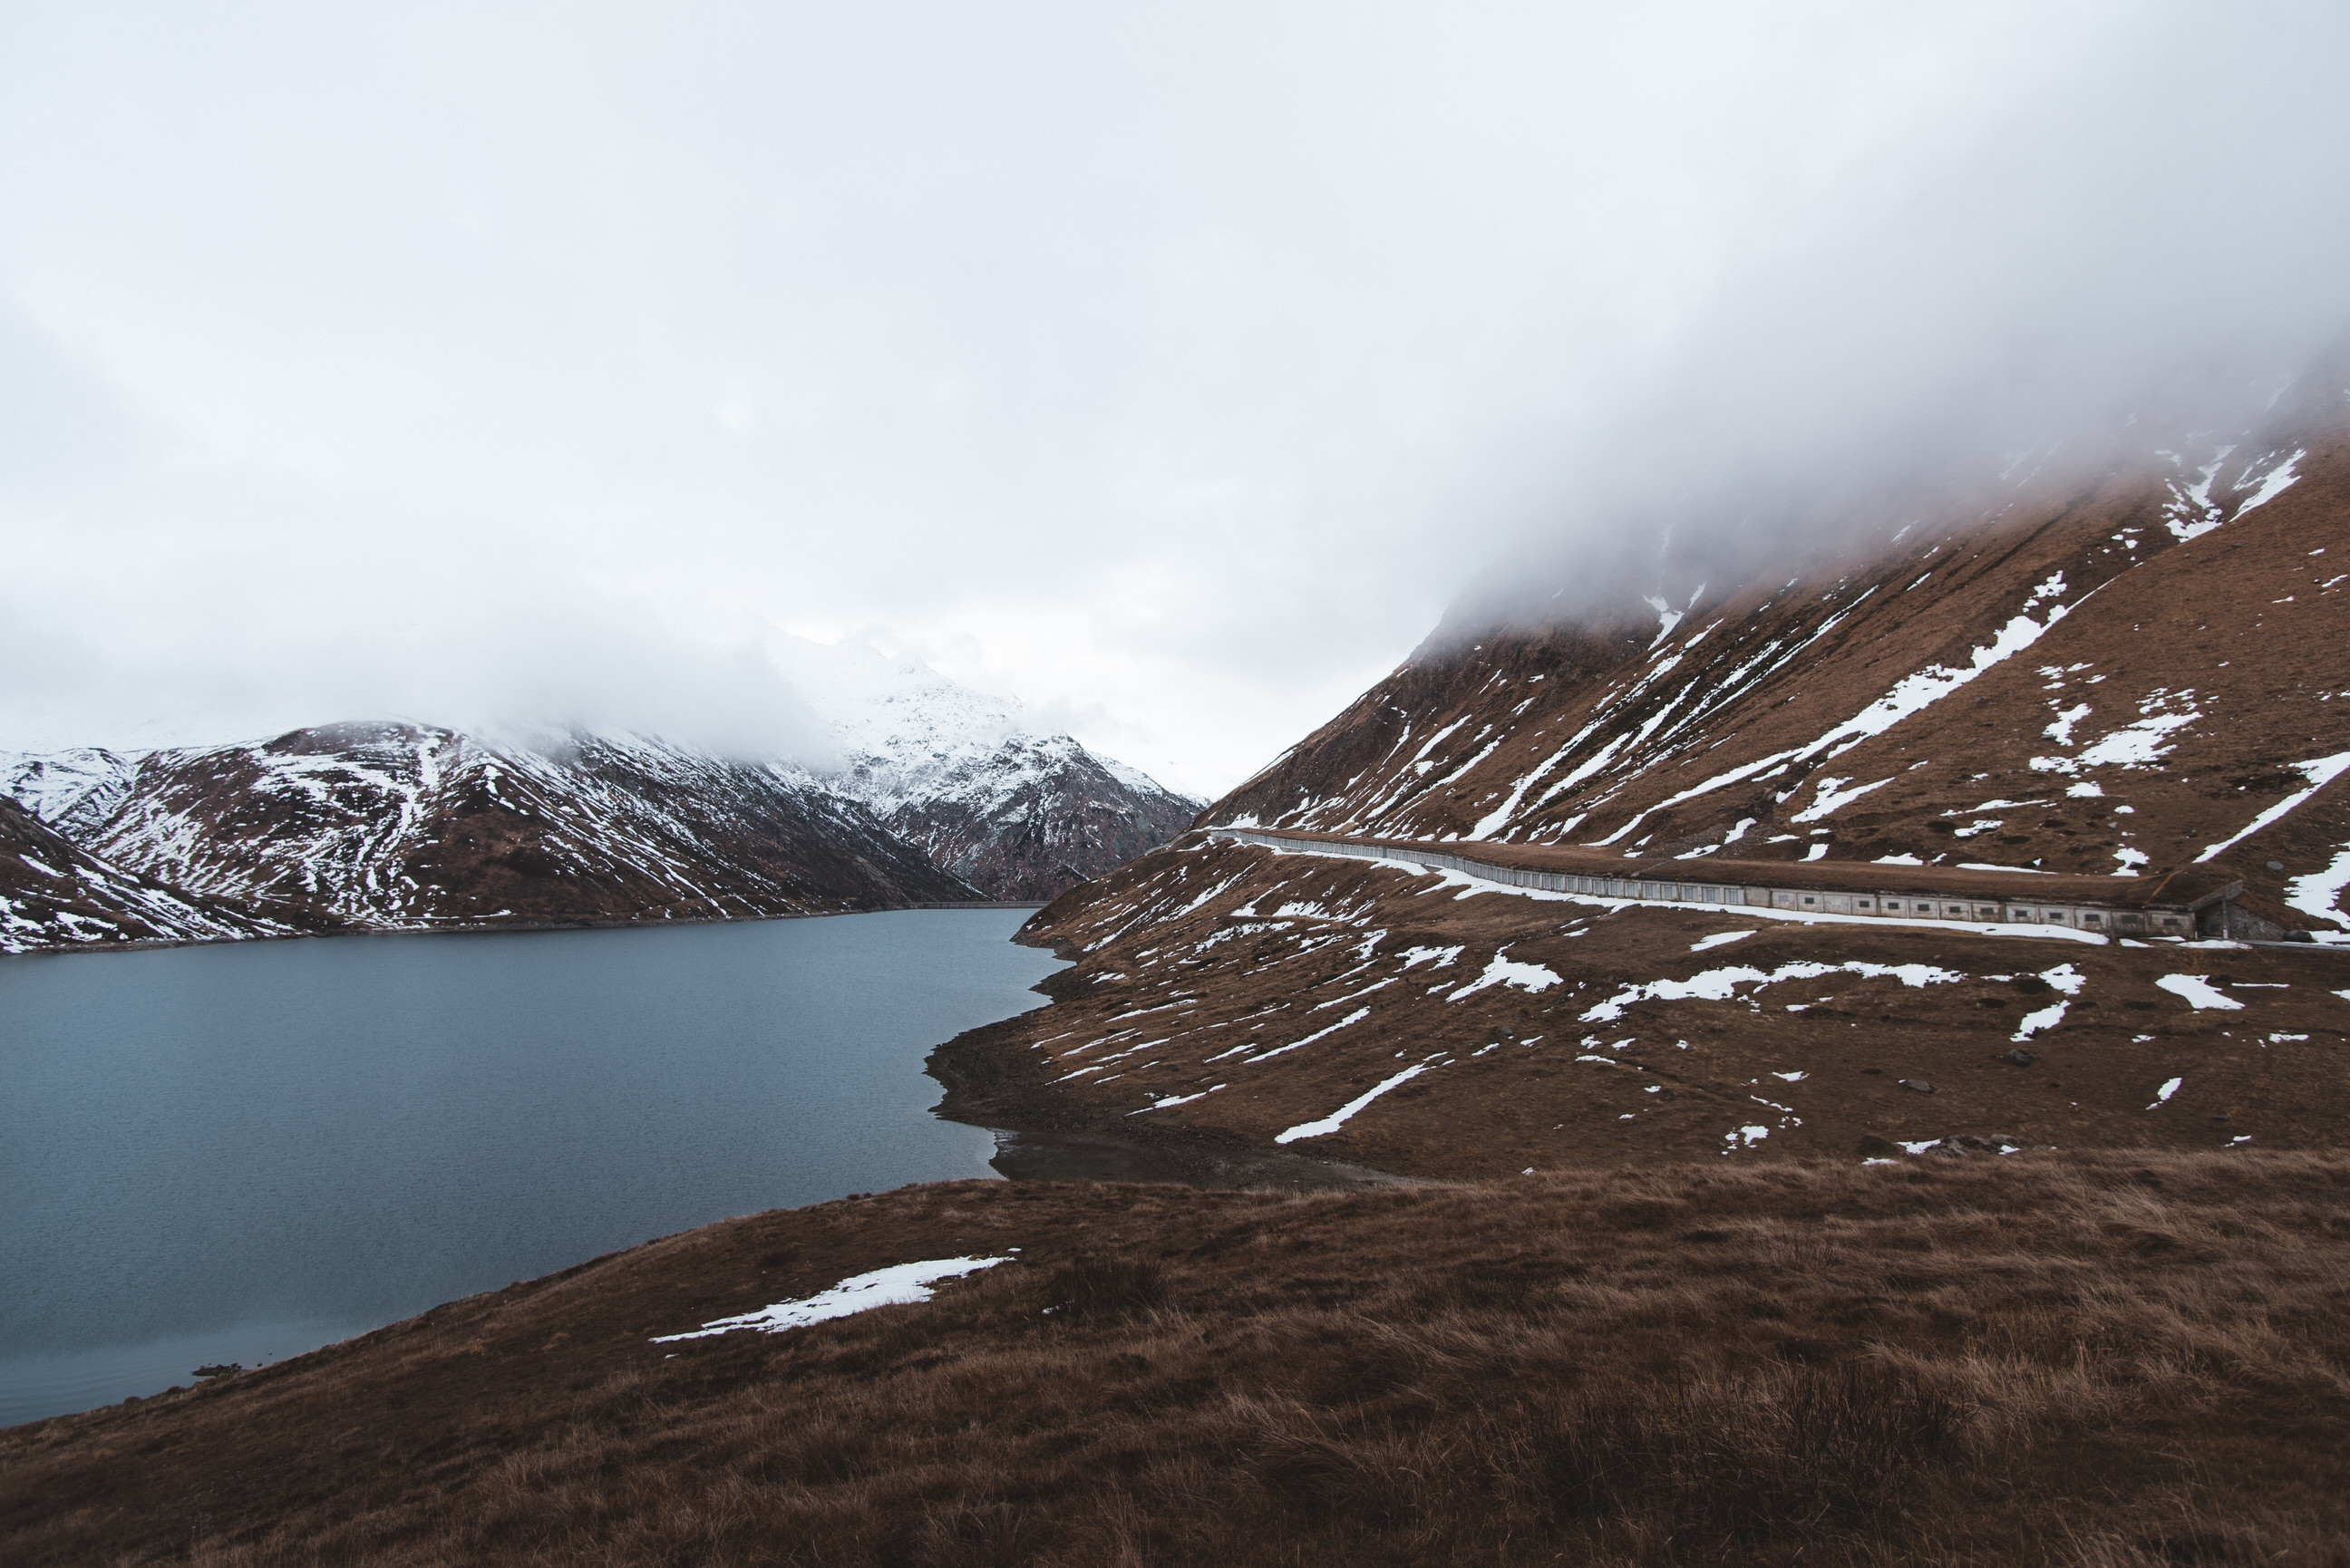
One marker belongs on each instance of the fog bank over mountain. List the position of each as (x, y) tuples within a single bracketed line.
[(2136, 259), (1174, 372)]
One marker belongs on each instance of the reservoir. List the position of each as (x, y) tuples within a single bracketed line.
[(239, 1153)]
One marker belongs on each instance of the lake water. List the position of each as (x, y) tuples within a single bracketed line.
[(240, 1153)]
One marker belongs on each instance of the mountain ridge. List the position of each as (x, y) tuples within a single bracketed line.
[(940, 796), (398, 826), (1786, 706)]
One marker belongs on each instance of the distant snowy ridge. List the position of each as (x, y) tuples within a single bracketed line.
[(397, 826), (939, 794)]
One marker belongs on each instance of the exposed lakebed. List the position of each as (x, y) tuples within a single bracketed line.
[(238, 1153)]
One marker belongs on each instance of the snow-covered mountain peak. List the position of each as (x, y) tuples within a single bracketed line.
[(894, 707), (966, 775)]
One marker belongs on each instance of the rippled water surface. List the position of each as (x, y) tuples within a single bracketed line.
[(238, 1153)]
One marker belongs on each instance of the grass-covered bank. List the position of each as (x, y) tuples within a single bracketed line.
[(2095, 1359)]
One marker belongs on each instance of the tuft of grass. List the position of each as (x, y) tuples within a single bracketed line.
[(1773, 1456), (1106, 1287)]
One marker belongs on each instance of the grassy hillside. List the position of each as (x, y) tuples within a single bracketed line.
[(2040, 1358), (1226, 990)]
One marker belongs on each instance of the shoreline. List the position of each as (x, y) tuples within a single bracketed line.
[(159, 943), (1042, 1136)]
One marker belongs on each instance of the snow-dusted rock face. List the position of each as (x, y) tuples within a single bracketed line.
[(389, 827), (1018, 814), (73, 791), (1034, 817), (55, 894)]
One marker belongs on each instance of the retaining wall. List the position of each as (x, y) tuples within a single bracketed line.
[(1970, 909)]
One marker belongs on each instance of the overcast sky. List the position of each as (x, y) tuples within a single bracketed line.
[(1170, 367)]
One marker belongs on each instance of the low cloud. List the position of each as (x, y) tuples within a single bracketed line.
[(1173, 373)]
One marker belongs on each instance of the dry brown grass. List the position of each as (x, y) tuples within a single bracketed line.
[(1587, 1073), (2091, 1360)]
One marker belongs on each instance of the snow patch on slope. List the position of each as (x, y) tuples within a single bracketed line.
[(1911, 694), (2320, 772), (901, 1284)]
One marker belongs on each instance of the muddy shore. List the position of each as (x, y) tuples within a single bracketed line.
[(1044, 1135)]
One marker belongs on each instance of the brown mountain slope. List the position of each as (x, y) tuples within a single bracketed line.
[(1257, 995), (2117, 678)]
